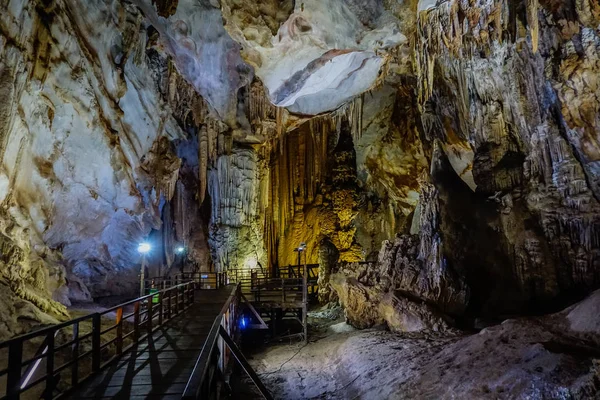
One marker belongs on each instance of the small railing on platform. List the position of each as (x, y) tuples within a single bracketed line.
[(253, 281), (279, 290), (203, 280), (296, 271), (83, 354)]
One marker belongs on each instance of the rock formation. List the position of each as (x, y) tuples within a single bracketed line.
[(493, 83)]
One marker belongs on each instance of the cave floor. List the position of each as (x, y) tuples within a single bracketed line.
[(524, 358)]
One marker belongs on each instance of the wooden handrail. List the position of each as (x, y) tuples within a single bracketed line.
[(198, 384), (150, 306), (205, 280)]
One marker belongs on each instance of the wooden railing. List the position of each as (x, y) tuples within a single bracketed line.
[(255, 282), (296, 271), (214, 357), (203, 280), (81, 353), (213, 362)]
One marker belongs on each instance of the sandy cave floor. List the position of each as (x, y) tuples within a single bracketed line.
[(554, 357)]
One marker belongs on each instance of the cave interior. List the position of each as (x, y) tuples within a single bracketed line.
[(440, 160)]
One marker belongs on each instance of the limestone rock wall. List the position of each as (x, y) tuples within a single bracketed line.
[(85, 159), (308, 67), (501, 93)]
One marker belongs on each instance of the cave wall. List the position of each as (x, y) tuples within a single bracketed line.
[(509, 93), (87, 160)]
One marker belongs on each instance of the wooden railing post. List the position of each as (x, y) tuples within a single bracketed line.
[(50, 382), (136, 321), (96, 328), (15, 358), (150, 315), (75, 355), (119, 339), (169, 305), (160, 309), (304, 303)]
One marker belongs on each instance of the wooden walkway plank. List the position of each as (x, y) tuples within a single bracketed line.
[(160, 366)]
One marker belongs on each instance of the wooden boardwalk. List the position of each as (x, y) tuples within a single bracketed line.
[(160, 367)]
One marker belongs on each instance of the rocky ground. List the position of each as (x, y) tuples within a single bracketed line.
[(551, 357)]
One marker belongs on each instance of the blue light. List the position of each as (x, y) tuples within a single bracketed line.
[(243, 322), (144, 247)]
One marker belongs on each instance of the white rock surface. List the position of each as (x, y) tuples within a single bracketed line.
[(81, 114), (322, 56), (204, 52), (519, 359)]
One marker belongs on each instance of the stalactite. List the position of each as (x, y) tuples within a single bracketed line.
[(297, 174), (203, 150), (442, 35), (212, 135), (353, 113), (199, 110), (532, 20), (260, 107), (168, 235), (181, 221), (279, 123)]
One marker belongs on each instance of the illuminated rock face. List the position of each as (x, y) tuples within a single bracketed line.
[(322, 56), (85, 165), (193, 35), (497, 100)]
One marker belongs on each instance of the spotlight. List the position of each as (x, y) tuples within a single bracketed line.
[(180, 249), (144, 248)]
